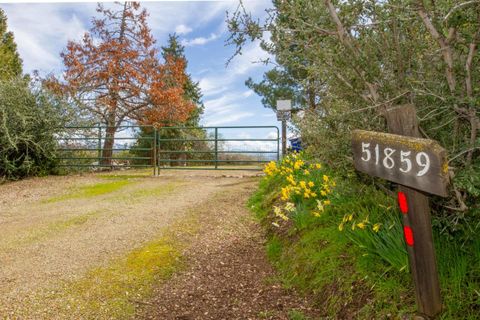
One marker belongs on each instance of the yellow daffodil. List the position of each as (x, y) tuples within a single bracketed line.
[(326, 202), (361, 225), (376, 227), (325, 178), (298, 164), (320, 205), (306, 172), (311, 184), (277, 210), (285, 193), (318, 165), (290, 207), (340, 227), (316, 213)]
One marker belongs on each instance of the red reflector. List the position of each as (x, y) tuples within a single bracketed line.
[(408, 233), (402, 202)]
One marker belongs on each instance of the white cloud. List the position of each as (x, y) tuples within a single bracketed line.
[(182, 29), (42, 30), (165, 16), (247, 93), (214, 83), (233, 116), (200, 41)]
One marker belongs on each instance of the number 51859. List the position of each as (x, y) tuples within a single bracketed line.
[(387, 156)]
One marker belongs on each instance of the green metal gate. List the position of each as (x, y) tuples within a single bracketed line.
[(193, 148), (215, 150)]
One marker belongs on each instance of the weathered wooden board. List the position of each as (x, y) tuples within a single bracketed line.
[(414, 162)]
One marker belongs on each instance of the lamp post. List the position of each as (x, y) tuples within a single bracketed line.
[(284, 108)]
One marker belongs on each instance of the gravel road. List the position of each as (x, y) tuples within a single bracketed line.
[(54, 230)]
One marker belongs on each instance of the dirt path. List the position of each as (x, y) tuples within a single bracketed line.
[(70, 246)]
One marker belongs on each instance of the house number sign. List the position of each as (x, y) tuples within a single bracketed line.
[(414, 162)]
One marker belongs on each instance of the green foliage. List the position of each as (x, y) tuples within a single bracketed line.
[(383, 239), (29, 119), (351, 60), (191, 88), (277, 84), (10, 62), (459, 267), (193, 94)]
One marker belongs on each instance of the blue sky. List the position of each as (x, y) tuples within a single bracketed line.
[(43, 29)]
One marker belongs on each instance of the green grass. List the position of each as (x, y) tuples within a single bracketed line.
[(296, 315), (94, 190), (459, 269), (360, 277)]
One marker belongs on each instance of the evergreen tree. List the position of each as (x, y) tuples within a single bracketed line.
[(10, 62), (191, 89), (191, 92)]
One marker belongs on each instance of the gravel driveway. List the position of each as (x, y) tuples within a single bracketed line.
[(90, 247)]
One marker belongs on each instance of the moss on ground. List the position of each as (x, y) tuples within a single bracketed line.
[(113, 291), (92, 190)]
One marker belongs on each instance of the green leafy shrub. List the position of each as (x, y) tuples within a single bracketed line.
[(29, 119)]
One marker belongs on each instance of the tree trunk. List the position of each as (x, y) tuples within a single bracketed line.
[(107, 151)]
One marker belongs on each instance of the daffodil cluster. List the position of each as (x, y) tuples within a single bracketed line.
[(302, 183), (362, 224)]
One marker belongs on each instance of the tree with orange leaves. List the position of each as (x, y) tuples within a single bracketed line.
[(114, 73)]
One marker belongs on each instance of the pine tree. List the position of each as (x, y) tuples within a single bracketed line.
[(10, 62), (191, 88)]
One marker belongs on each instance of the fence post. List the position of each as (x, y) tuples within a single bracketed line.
[(216, 148), (155, 169), (99, 147)]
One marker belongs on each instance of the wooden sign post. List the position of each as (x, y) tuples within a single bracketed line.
[(419, 166)]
